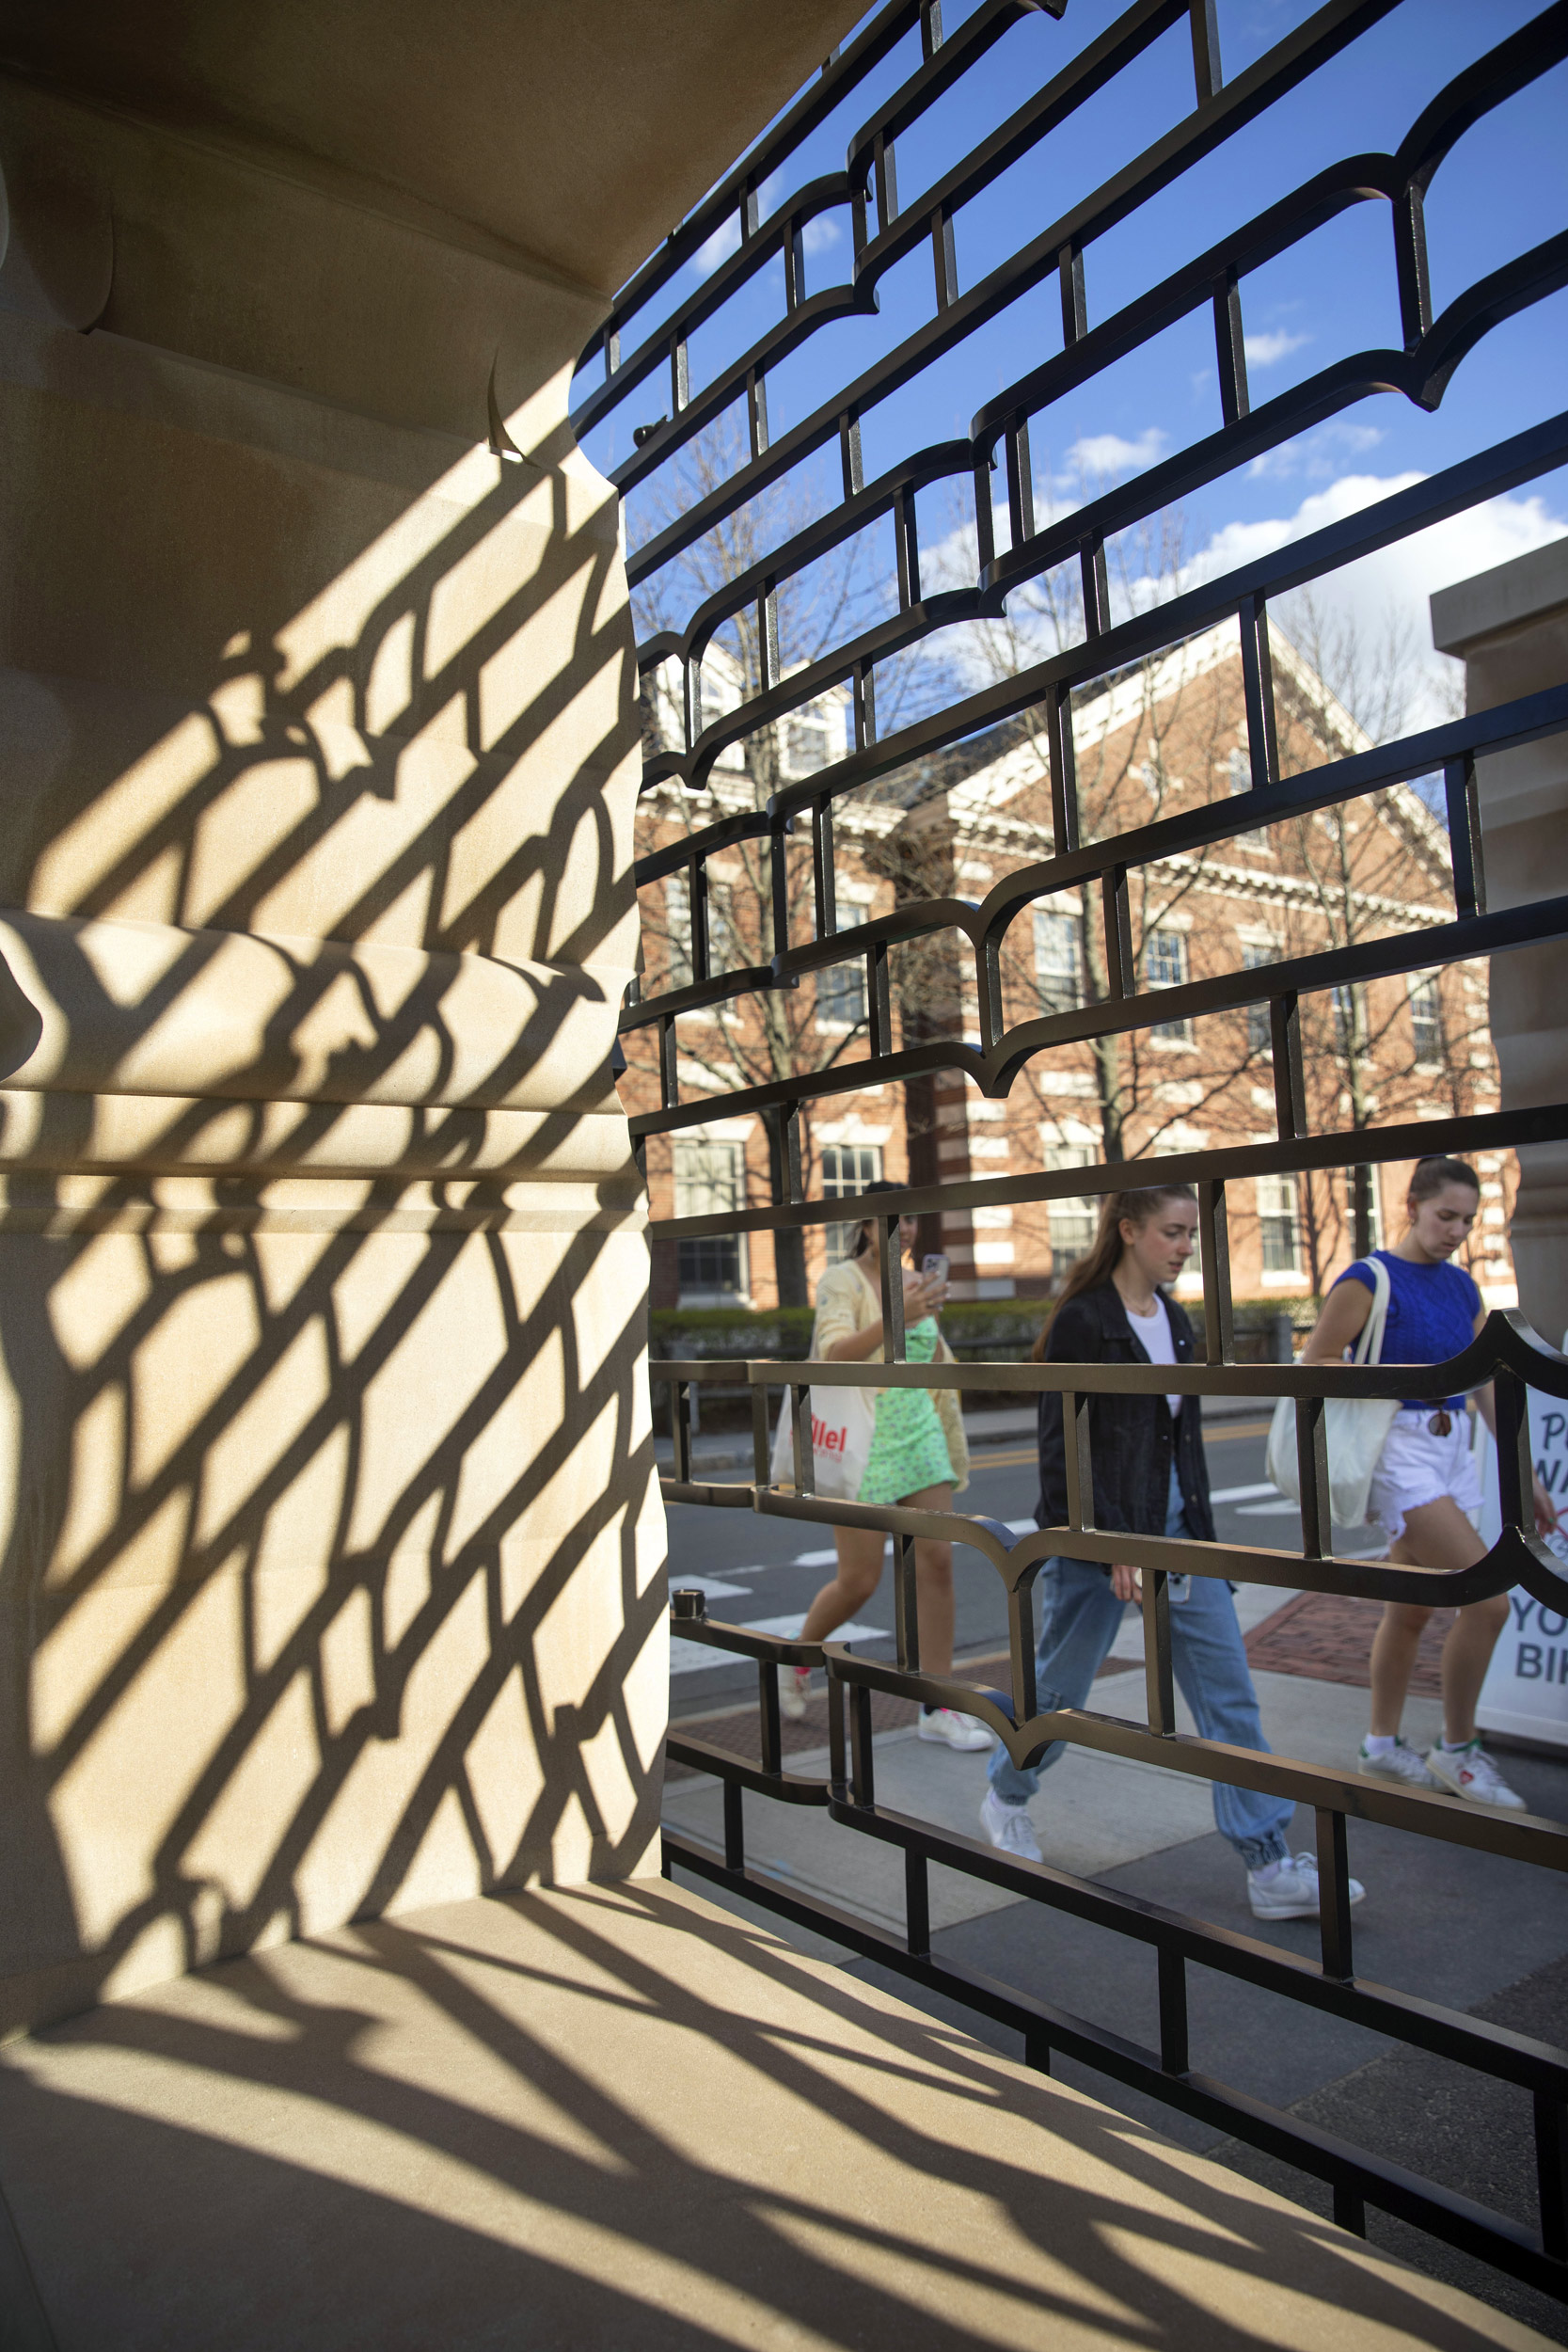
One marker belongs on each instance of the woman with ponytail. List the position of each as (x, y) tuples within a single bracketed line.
[(1426, 1489), (1150, 1479)]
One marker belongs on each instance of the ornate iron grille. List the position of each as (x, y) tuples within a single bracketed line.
[(1432, 347)]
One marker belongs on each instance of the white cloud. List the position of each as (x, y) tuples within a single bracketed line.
[(1396, 581), (1267, 350), (1101, 454), (1319, 454), (819, 234), (716, 249), (1392, 586)]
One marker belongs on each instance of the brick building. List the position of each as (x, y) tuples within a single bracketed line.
[(1147, 743)]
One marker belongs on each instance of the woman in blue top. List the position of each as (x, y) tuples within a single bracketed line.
[(1426, 1491)]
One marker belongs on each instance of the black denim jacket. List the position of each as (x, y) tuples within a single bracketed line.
[(1131, 1436)]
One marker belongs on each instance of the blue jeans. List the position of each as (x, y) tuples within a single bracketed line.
[(1079, 1617)]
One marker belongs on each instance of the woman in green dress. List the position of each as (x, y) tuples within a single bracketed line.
[(919, 1457)]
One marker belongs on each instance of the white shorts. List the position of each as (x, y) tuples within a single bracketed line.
[(1414, 1467)]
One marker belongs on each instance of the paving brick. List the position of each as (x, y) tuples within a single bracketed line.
[(1328, 1638)]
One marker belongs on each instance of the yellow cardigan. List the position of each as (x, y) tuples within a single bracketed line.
[(846, 1303)]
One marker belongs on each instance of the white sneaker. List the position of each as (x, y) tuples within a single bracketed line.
[(1470, 1773), (1291, 1892), (1396, 1763), (1009, 1828), (794, 1685), (953, 1729)]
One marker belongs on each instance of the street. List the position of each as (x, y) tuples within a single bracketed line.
[(763, 1572)]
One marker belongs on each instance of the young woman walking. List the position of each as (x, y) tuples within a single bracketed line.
[(1150, 1479), (1426, 1486), (919, 1457)]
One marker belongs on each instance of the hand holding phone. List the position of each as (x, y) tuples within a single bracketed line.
[(934, 1276)]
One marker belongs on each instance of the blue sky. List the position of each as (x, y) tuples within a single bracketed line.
[(1503, 188)]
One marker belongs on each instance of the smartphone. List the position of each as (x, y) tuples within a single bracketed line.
[(934, 1262)]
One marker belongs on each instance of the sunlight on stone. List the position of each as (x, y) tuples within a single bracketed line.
[(340, 867), (125, 812), (457, 1337), (243, 828), (115, 1801), (238, 1462), (348, 1661), (85, 1645), (183, 1367), (389, 688), (98, 1291), (505, 1771), (98, 1478), (247, 1823), (292, 1570), (340, 615), (499, 1454), (394, 1779), (486, 578)]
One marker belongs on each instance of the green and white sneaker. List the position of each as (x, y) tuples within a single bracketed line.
[(1396, 1763), (1469, 1771)]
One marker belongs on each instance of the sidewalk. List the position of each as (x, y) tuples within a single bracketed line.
[(1095, 1813), (1465, 1928)]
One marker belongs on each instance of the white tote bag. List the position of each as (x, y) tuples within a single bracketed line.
[(1353, 1427), (842, 1421)]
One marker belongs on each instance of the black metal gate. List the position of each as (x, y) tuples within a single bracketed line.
[(1508, 1350)]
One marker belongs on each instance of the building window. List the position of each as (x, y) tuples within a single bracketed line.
[(1165, 966), (710, 1180), (1278, 1225), (807, 745), (1058, 961), (841, 987), (723, 945), (847, 1169), (1426, 1018), (1073, 1222), (1259, 1032)]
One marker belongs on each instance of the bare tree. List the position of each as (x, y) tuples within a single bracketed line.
[(1144, 737), (770, 1033), (1351, 688)]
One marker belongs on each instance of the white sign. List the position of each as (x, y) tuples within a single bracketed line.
[(1525, 1691)]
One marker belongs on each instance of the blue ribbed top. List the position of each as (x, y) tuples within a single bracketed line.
[(1432, 1313)]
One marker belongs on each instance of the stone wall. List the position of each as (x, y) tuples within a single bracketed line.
[(332, 1568)]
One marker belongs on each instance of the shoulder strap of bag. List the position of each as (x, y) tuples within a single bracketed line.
[(1369, 1346)]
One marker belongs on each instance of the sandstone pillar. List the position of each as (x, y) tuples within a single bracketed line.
[(1509, 628), (332, 1552)]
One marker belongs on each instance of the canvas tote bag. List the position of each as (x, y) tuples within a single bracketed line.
[(1355, 1427), (842, 1422)]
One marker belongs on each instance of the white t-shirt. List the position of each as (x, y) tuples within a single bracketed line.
[(1153, 1330)]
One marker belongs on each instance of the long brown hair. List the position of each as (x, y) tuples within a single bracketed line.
[(1101, 1260)]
